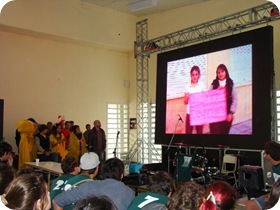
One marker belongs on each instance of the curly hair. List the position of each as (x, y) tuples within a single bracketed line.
[(187, 197), (272, 148)]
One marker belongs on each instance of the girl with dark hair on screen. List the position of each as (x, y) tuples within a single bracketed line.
[(28, 191), (219, 196), (223, 80), (194, 86)]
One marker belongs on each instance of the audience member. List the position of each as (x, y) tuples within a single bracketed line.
[(70, 168), (7, 174), (6, 153), (219, 196), (27, 150), (24, 171), (58, 147), (42, 142), (111, 186), (28, 191), (272, 154), (77, 143), (187, 196), (89, 169), (95, 203), (274, 195), (160, 190), (97, 140)]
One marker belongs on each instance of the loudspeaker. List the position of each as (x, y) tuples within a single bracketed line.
[(1, 118), (251, 177)]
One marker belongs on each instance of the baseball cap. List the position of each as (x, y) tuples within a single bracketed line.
[(89, 161)]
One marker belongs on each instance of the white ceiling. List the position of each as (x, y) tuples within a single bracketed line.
[(162, 5)]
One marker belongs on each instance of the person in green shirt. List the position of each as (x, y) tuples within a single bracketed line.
[(70, 168), (160, 189), (89, 169)]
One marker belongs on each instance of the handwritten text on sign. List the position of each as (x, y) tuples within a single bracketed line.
[(208, 107)]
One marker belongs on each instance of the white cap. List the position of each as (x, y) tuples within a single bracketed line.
[(89, 161)]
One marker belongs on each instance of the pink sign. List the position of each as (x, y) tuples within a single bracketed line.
[(208, 106)]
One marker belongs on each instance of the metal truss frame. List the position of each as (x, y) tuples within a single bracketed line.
[(144, 47)]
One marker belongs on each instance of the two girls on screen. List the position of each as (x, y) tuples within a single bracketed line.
[(222, 80)]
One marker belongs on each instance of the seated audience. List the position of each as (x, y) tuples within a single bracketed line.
[(187, 196), (7, 174), (95, 203), (89, 168), (160, 189), (6, 153), (111, 186), (272, 154), (219, 196), (274, 195), (28, 191), (70, 168)]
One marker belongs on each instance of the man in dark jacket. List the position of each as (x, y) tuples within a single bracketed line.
[(97, 140)]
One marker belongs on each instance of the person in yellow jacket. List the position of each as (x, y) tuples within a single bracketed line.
[(77, 143), (27, 149), (58, 147)]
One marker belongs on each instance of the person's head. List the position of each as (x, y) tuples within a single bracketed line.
[(76, 129), (222, 72), (88, 127), (195, 74), (49, 125), (28, 191), (70, 165), (24, 171), (56, 128), (161, 183), (71, 123), (187, 196), (7, 174), (95, 203), (67, 125), (274, 195), (43, 129), (90, 164), (272, 151), (97, 124), (219, 196), (112, 168), (33, 121), (5, 150)]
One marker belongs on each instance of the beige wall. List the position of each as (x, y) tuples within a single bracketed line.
[(70, 57)]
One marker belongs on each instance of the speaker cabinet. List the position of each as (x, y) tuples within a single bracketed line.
[(251, 177)]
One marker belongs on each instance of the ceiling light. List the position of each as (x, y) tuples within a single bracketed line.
[(139, 5)]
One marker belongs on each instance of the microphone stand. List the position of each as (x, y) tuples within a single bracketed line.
[(115, 150), (168, 148)]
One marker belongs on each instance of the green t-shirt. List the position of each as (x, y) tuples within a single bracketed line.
[(58, 185), (74, 182), (146, 198)]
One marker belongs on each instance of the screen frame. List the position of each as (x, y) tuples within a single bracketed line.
[(262, 87)]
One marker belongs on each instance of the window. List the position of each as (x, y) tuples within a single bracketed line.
[(117, 121)]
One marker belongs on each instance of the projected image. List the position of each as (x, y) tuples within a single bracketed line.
[(211, 93)]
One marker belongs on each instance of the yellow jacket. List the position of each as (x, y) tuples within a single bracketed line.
[(75, 145), (27, 149), (58, 145)]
